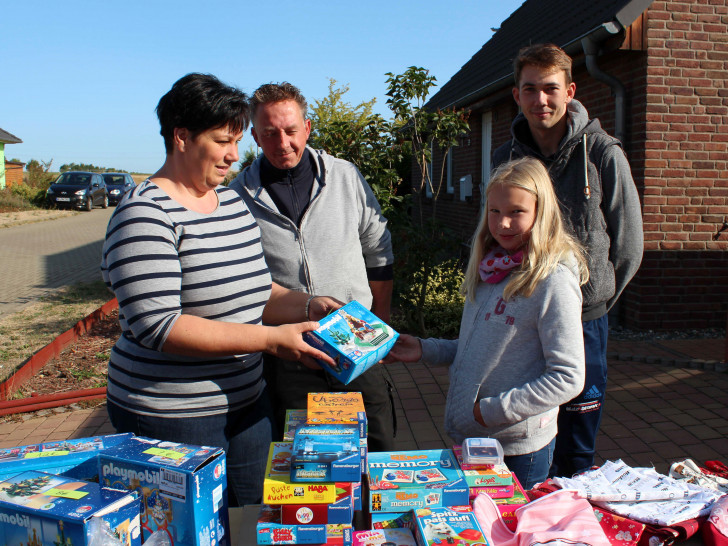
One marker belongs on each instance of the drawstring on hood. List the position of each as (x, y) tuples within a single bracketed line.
[(587, 189)]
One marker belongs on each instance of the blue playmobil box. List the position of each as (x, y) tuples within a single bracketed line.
[(270, 530), (73, 458), (325, 453), (354, 337), (42, 509), (183, 488), (405, 480), (453, 525)]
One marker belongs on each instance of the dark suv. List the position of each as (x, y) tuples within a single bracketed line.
[(117, 185), (78, 189)]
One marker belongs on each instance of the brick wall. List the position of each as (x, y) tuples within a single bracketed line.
[(684, 277)]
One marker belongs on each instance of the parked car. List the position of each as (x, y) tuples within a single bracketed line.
[(118, 184), (77, 189)]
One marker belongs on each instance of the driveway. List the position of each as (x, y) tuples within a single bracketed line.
[(38, 258)]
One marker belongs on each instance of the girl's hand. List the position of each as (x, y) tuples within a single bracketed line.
[(286, 341), (320, 306), (477, 415), (406, 349)]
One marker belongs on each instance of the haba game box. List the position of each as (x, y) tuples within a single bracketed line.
[(354, 338), (451, 525), (279, 489), (405, 480), (183, 488), (37, 509), (326, 452)]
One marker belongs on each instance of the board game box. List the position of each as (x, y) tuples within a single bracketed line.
[(354, 338), (508, 507), (294, 418), (325, 453), (73, 458), (384, 537), (453, 525), (270, 530), (279, 489), (345, 408), (405, 480), (183, 488), (495, 480), (341, 511), (37, 508), (391, 520)]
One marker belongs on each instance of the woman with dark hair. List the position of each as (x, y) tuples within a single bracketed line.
[(183, 256)]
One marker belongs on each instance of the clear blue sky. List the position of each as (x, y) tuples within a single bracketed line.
[(81, 79)]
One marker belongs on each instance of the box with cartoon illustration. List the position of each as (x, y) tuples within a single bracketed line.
[(279, 489), (494, 480), (354, 338), (452, 525), (405, 480), (384, 537), (74, 458), (183, 488), (325, 453), (344, 408), (270, 530), (37, 508)]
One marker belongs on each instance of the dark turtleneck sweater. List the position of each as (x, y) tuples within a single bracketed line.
[(290, 190)]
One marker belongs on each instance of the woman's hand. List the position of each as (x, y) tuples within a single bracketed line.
[(477, 415), (286, 341), (320, 306), (406, 349)]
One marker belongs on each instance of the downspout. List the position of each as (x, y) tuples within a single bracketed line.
[(591, 49)]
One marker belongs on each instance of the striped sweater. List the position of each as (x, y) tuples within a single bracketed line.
[(162, 260)]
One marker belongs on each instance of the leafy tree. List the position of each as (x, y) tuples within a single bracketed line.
[(249, 156)]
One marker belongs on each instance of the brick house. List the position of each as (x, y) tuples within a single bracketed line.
[(655, 74), (7, 138)]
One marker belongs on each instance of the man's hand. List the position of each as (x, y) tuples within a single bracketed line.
[(406, 349), (320, 306)]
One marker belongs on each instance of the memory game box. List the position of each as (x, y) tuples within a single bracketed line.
[(405, 480), (182, 487), (73, 458), (42, 509), (453, 525), (269, 530), (326, 453), (354, 338)]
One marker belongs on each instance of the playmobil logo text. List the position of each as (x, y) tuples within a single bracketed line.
[(17, 519), (129, 474)]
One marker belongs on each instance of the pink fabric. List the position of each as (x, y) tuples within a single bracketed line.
[(497, 264), (715, 530), (558, 516)]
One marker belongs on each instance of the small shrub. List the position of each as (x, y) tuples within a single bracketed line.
[(11, 202)]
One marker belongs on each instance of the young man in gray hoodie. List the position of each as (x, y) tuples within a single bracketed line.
[(323, 233), (599, 201)]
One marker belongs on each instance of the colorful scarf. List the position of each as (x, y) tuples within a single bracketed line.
[(497, 264)]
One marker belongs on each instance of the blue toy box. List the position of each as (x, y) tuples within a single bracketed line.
[(73, 458), (269, 530), (453, 525), (405, 480), (183, 488), (42, 509), (354, 337), (324, 453)]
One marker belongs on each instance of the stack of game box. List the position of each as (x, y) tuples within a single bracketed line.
[(312, 482), (495, 480), (401, 481)]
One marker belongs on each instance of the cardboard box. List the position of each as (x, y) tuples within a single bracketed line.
[(37, 508), (183, 488), (269, 530), (325, 453), (405, 480), (345, 408), (484, 475), (278, 488), (294, 417), (508, 507), (73, 458), (392, 520), (453, 525), (354, 337), (340, 511), (385, 537)]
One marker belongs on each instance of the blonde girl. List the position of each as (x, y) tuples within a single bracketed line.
[(520, 352)]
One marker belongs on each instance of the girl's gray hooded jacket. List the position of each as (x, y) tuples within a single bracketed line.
[(342, 231), (522, 359), (609, 222)]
